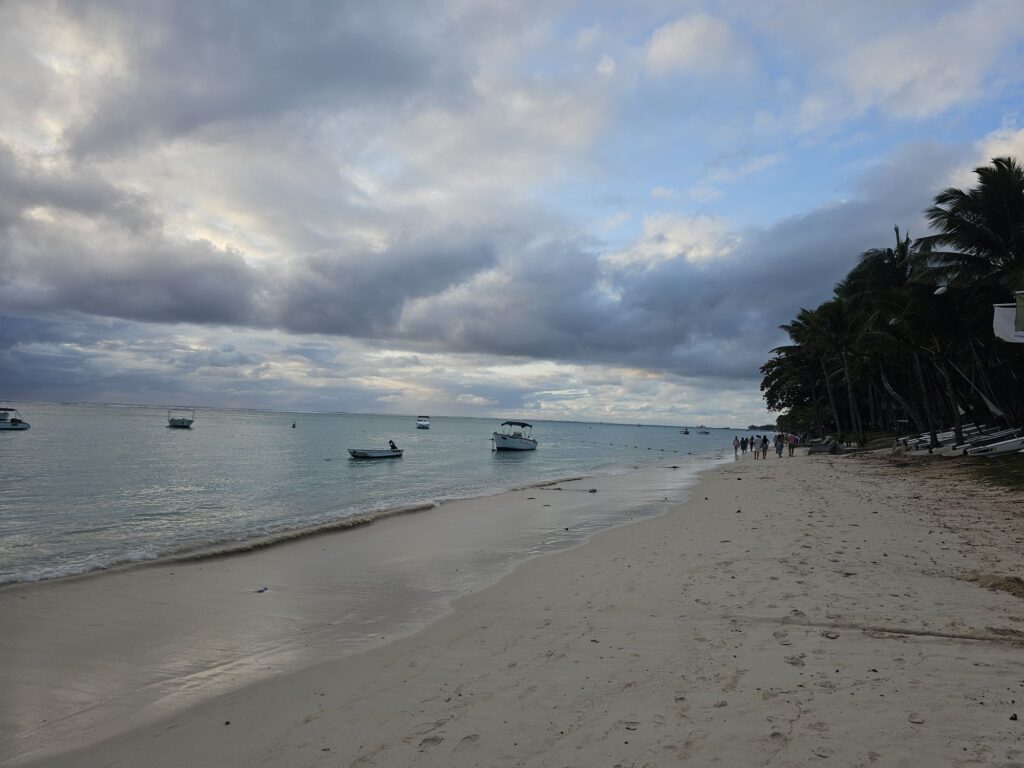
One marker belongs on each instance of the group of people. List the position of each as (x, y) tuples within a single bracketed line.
[(759, 445)]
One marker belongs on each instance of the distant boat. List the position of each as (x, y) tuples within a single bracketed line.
[(702, 430), (176, 418), (684, 431), (514, 436), (375, 453), (422, 422), (10, 420)]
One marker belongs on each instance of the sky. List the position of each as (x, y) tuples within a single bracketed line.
[(596, 211)]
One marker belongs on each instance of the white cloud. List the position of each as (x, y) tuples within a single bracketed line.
[(1006, 141), (606, 66), (667, 237), (708, 188), (664, 193), (698, 43)]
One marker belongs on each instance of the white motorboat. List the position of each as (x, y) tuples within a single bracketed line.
[(514, 436), (176, 418), (1013, 445), (11, 420), (684, 431), (376, 453), (422, 422), (702, 430)]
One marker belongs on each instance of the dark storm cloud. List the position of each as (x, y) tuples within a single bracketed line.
[(491, 291), (25, 184), (362, 294), (704, 319), (196, 64)]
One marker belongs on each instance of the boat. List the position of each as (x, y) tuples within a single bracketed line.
[(376, 453), (1013, 445), (422, 422), (684, 431), (10, 420), (702, 430), (514, 436), (176, 418)]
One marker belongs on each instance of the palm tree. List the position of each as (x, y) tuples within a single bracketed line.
[(984, 227)]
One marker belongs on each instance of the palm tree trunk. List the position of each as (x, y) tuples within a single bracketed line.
[(958, 430), (831, 397), (858, 429), (934, 442), (911, 411)]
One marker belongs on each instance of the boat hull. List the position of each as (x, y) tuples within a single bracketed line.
[(369, 453), (1012, 445), (513, 443), (8, 426), (179, 423)]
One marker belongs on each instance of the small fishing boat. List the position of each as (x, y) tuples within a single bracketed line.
[(684, 431), (514, 436), (376, 453), (702, 430), (176, 418), (422, 422), (11, 420)]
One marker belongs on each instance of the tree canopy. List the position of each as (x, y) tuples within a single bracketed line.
[(906, 342)]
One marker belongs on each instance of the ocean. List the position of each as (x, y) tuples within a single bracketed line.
[(89, 486)]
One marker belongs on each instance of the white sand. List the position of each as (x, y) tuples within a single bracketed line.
[(807, 610)]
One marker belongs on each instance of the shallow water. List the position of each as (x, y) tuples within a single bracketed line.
[(91, 486)]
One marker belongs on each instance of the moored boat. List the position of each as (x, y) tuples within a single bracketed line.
[(176, 418), (10, 420), (422, 422), (514, 436), (376, 453)]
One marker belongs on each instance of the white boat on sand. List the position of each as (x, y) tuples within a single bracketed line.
[(514, 436), (422, 422), (176, 418), (376, 453), (1012, 445), (10, 420)]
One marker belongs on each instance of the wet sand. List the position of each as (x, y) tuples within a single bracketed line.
[(790, 612)]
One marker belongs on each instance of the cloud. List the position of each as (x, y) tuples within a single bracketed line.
[(709, 188), (911, 74), (668, 236), (697, 44)]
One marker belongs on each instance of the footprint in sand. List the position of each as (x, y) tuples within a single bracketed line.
[(782, 636), (467, 741), (430, 741), (796, 661)]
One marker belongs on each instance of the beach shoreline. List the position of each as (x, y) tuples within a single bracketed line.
[(788, 611), (177, 631)]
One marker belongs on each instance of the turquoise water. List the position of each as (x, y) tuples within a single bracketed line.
[(92, 486)]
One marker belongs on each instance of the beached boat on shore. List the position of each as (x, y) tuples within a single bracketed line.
[(10, 420), (514, 436), (376, 453), (1012, 445)]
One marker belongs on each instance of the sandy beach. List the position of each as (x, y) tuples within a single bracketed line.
[(790, 612)]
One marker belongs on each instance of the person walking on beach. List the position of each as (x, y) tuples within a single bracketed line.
[(755, 443), (779, 441), (792, 444), (764, 447), (735, 446), (743, 445)]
